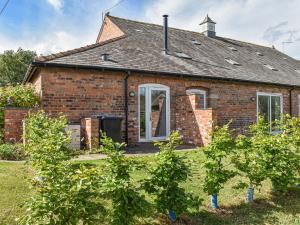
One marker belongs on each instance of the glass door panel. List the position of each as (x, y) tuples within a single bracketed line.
[(158, 115)]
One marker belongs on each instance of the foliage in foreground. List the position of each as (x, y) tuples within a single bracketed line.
[(165, 179), (12, 152), (118, 186), (217, 162), (65, 194)]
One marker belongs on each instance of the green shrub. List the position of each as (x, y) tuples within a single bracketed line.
[(250, 153), (18, 96), (118, 186), (165, 179), (12, 152), (217, 160), (65, 194), (46, 139)]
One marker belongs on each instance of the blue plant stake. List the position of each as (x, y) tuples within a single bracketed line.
[(250, 193), (214, 201), (172, 215)]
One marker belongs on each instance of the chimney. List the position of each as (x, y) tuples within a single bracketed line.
[(165, 33), (208, 27)]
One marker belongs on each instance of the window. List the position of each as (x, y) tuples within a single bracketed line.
[(232, 62), (269, 106), (200, 97)]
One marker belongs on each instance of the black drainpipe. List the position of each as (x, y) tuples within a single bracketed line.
[(291, 106), (126, 105)]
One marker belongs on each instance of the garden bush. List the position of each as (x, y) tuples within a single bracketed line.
[(217, 163), (12, 152), (165, 179), (118, 186), (47, 143), (66, 194)]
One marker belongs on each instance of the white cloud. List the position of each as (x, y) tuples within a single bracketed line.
[(268, 22), (51, 42), (57, 4)]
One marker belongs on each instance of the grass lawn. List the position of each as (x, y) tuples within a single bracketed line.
[(268, 208)]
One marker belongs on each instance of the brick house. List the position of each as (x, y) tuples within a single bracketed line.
[(160, 79)]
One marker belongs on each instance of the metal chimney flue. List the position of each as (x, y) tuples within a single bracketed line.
[(165, 33)]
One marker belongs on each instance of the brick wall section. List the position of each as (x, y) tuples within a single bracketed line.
[(84, 93), (194, 124), (13, 123), (90, 132), (109, 31)]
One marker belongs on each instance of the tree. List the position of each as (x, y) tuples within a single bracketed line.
[(217, 163), (13, 66)]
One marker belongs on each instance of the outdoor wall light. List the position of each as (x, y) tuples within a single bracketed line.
[(131, 94), (252, 99)]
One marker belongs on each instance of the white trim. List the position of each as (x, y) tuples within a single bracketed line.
[(148, 89), (194, 91), (270, 107)]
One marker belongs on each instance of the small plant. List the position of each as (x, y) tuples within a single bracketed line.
[(217, 162), (65, 193), (46, 140), (284, 154), (165, 179), (127, 202), (249, 157), (12, 152)]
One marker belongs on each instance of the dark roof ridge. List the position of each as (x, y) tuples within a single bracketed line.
[(75, 50), (195, 32)]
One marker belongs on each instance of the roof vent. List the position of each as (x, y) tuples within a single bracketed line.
[(195, 42), (270, 67), (232, 62), (232, 48), (259, 54), (182, 55), (104, 56), (208, 27)]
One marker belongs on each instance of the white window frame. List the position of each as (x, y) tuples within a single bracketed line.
[(149, 87), (269, 95), (195, 91)]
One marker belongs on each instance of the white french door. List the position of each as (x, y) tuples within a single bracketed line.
[(154, 112)]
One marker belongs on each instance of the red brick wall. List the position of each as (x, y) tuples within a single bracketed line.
[(109, 31), (194, 124), (13, 123), (83, 93), (90, 132)]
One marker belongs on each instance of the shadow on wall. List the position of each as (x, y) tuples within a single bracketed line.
[(193, 123)]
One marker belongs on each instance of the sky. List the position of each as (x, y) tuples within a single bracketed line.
[(49, 26)]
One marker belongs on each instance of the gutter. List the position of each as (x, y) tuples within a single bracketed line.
[(103, 68), (126, 105)]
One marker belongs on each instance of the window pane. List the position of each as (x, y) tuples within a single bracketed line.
[(263, 107), (275, 108), (158, 113), (201, 101), (143, 113)]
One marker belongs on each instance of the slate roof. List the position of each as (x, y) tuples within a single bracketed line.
[(141, 49)]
